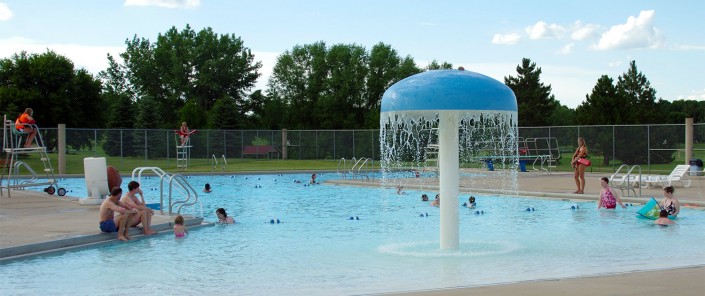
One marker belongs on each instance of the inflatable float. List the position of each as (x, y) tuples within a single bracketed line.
[(651, 210)]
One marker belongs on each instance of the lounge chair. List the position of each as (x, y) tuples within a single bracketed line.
[(677, 176)]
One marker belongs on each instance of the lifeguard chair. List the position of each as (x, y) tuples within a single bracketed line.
[(12, 168), (183, 148)]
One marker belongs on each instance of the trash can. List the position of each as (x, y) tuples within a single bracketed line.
[(696, 167), (522, 165), (490, 165)]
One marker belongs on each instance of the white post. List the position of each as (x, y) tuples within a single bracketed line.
[(688, 139), (448, 158), (62, 148)]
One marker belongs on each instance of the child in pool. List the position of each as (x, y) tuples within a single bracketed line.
[(180, 230), (663, 218), (471, 202), (223, 217), (437, 201)]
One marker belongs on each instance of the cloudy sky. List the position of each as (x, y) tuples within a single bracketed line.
[(574, 42)]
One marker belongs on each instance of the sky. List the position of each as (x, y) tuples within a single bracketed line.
[(573, 42)]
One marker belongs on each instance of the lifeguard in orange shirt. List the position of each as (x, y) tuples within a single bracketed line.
[(23, 124)]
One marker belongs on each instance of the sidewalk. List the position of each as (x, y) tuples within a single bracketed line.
[(32, 222)]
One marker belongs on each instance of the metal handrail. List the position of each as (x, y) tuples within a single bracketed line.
[(635, 180), (359, 164), (190, 191), (225, 164), (338, 168), (367, 169), (215, 163), (183, 187)]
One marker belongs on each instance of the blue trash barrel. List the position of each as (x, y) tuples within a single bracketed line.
[(490, 165)]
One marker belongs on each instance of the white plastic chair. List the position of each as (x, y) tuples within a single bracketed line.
[(679, 175)]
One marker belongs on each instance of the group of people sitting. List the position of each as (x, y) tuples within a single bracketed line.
[(131, 210)]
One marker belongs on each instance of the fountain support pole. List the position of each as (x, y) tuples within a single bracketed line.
[(449, 170)]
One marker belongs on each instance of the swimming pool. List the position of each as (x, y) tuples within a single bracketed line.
[(318, 250)]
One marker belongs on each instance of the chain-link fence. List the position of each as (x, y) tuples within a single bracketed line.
[(656, 148)]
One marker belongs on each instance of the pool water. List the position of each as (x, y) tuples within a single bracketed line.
[(317, 250)]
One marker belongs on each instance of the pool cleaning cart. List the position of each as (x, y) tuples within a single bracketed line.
[(13, 147)]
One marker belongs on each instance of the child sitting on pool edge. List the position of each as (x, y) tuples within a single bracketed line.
[(180, 230)]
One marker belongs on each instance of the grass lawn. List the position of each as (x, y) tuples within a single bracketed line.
[(74, 164)]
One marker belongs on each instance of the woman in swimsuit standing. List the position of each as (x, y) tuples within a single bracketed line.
[(581, 152), (670, 203), (608, 197)]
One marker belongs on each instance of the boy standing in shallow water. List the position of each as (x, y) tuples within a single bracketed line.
[(108, 222)]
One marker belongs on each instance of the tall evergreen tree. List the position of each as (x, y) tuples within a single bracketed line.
[(603, 105), (636, 90), (535, 101)]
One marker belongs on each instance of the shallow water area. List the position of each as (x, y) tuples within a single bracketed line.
[(391, 244)]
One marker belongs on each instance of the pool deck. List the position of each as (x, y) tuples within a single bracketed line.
[(33, 222)]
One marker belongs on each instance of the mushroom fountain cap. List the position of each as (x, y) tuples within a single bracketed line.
[(448, 90)]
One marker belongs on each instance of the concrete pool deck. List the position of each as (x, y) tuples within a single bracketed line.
[(33, 222)]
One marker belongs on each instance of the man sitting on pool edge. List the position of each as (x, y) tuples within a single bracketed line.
[(144, 214), (107, 211)]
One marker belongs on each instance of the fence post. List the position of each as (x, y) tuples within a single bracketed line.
[(62, 148), (688, 139), (285, 143)]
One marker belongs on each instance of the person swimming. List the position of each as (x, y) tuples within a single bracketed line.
[(437, 201), (471, 202)]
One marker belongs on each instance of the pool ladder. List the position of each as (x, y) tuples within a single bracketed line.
[(360, 168), (176, 183), (215, 163), (629, 181)]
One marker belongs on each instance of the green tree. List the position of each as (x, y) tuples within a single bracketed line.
[(343, 84), (55, 90), (223, 115), (386, 67), (341, 106), (298, 80), (534, 99), (636, 90), (679, 110), (434, 65), (603, 105), (186, 65), (194, 115)]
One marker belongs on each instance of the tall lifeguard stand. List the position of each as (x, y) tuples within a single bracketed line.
[(183, 148), (13, 146)]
